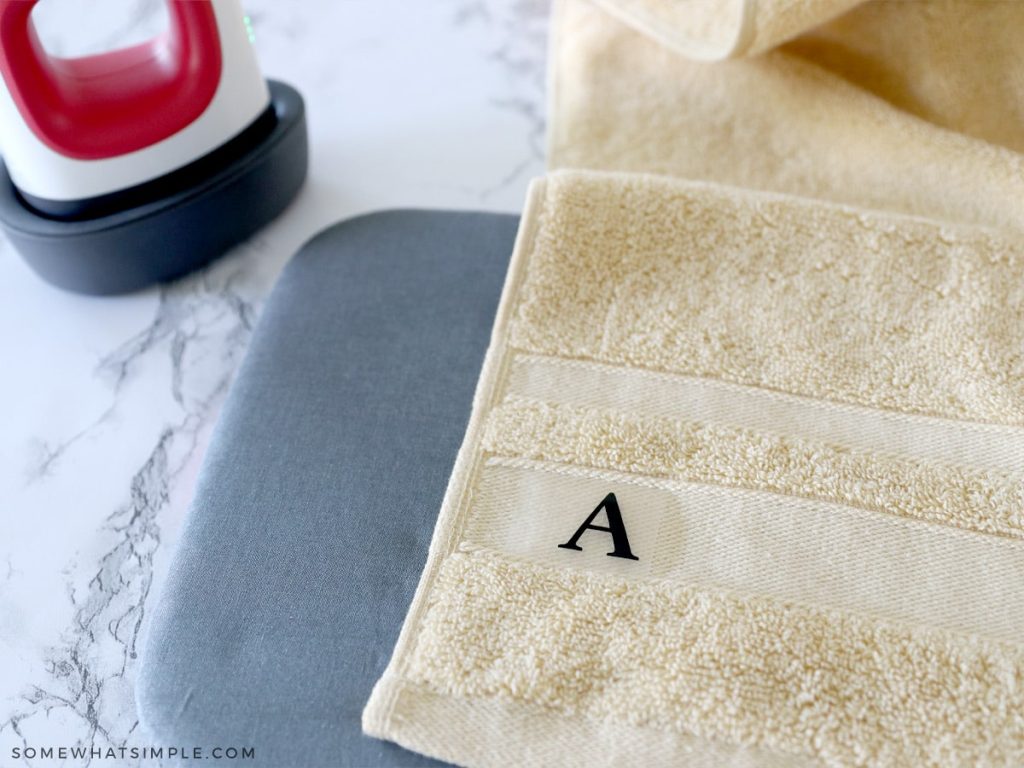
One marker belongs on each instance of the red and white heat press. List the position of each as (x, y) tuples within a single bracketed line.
[(138, 165)]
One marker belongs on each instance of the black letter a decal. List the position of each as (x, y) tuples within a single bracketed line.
[(615, 527)]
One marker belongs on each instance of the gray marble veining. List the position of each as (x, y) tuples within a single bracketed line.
[(108, 404)]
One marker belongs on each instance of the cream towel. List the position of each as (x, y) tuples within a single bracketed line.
[(711, 30), (914, 107), (743, 485)]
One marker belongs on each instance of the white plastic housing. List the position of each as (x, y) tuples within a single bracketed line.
[(241, 96)]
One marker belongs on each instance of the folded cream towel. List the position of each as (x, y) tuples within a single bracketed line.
[(717, 29), (915, 107), (743, 485)]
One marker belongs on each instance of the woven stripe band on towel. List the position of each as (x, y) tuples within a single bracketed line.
[(743, 485)]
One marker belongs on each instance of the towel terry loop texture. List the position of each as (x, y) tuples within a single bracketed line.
[(744, 478)]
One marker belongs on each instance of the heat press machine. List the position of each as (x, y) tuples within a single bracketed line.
[(138, 165)]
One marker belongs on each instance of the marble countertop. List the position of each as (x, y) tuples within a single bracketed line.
[(108, 403)]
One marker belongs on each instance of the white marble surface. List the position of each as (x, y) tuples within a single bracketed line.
[(107, 404)]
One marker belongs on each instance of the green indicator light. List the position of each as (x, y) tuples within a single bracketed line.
[(248, 29)]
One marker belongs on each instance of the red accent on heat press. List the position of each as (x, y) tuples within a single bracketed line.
[(109, 104)]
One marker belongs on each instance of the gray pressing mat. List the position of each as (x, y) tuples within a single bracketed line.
[(318, 497)]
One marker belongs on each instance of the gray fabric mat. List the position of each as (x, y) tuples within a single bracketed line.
[(320, 489)]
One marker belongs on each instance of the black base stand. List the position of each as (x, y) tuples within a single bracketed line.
[(211, 205)]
